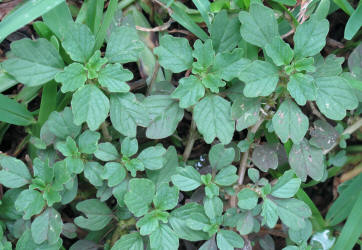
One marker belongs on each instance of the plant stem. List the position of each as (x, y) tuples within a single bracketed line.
[(190, 141), (105, 132), (154, 76)]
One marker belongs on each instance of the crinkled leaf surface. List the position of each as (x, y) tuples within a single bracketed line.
[(229, 240), (245, 111), (31, 202), (187, 178), (286, 186), (47, 227), (132, 241), (166, 197), (189, 91), (13, 172), (220, 157), (61, 124), (114, 78), (324, 135), (72, 78), (279, 51), (152, 157), (164, 238), (302, 88), (265, 157), (114, 172)]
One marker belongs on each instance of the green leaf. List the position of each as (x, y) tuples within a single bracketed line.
[(114, 173), (220, 157), (34, 62), (129, 146), (152, 157), (310, 37), (93, 171), (189, 91), (229, 240), (279, 51), (139, 196), (187, 179), (305, 160), (213, 207), (123, 45), (127, 113), (269, 213), (229, 64), (290, 122), (90, 105), (47, 227), (14, 173), (26, 242), (213, 82), (114, 78), (43, 170), (72, 78), (174, 53), (259, 25), (265, 157), (163, 238), (293, 212), (334, 97), (324, 135), (132, 241), (31, 202), (106, 152), (204, 53), (353, 24), (79, 42), (330, 66), (24, 15), (67, 148), (302, 88), (286, 186), (247, 199), (58, 19), (74, 164), (14, 113), (166, 197), (213, 119), (150, 221), (95, 64), (298, 236), (97, 212), (245, 111), (355, 61), (61, 124), (88, 142), (227, 176), (224, 32), (165, 115), (260, 79)]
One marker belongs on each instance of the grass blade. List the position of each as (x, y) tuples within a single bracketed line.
[(354, 23), (14, 113), (58, 19)]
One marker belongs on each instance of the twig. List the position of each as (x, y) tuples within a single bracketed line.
[(349, 130), (315, 111), (352, 173), (153, 78), (170, 12), (289, 33), (163, 27), (190, 141)]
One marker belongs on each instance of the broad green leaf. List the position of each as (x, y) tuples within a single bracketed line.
[(329, 66), (127, 113), (224, 32), (229, 64), (298, 236), (132, 241), (68, 147), (269, 213), (246, 223), (166, 197), (245, 111), (58, 19), (113, 172), (213, 207), (179, 218), (72, 78), (90, 105), (106, 152), (95, 64), (164, 238), (152, 157), (279, 51), (139, 196), (47, 227), (14, 113), (324, 135), (187, 179), (310, 37), (259, 25), (229, 240), (213, 119), (43, 171), (354, 23), (13, 172), (189, 91), (123, 45), (286, 186), (247, 199), (305, 160), (26, 242), (355, 62), (31, 202), (334, 97), (92, 172), (213, 82), (174, 53), (7, 206), (293, 212), (74, 164), (61, 124), (227, 176), (114, 78), (265, 157), (290, 122), (34, 62), (302, 88), (98, 215), (165, 115), (88, 142), (204, 54), (129, 146), (150, 221), (260, 79), (220, 157), (79, 42)]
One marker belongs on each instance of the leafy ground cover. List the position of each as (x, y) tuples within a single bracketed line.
[(180, 124)]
